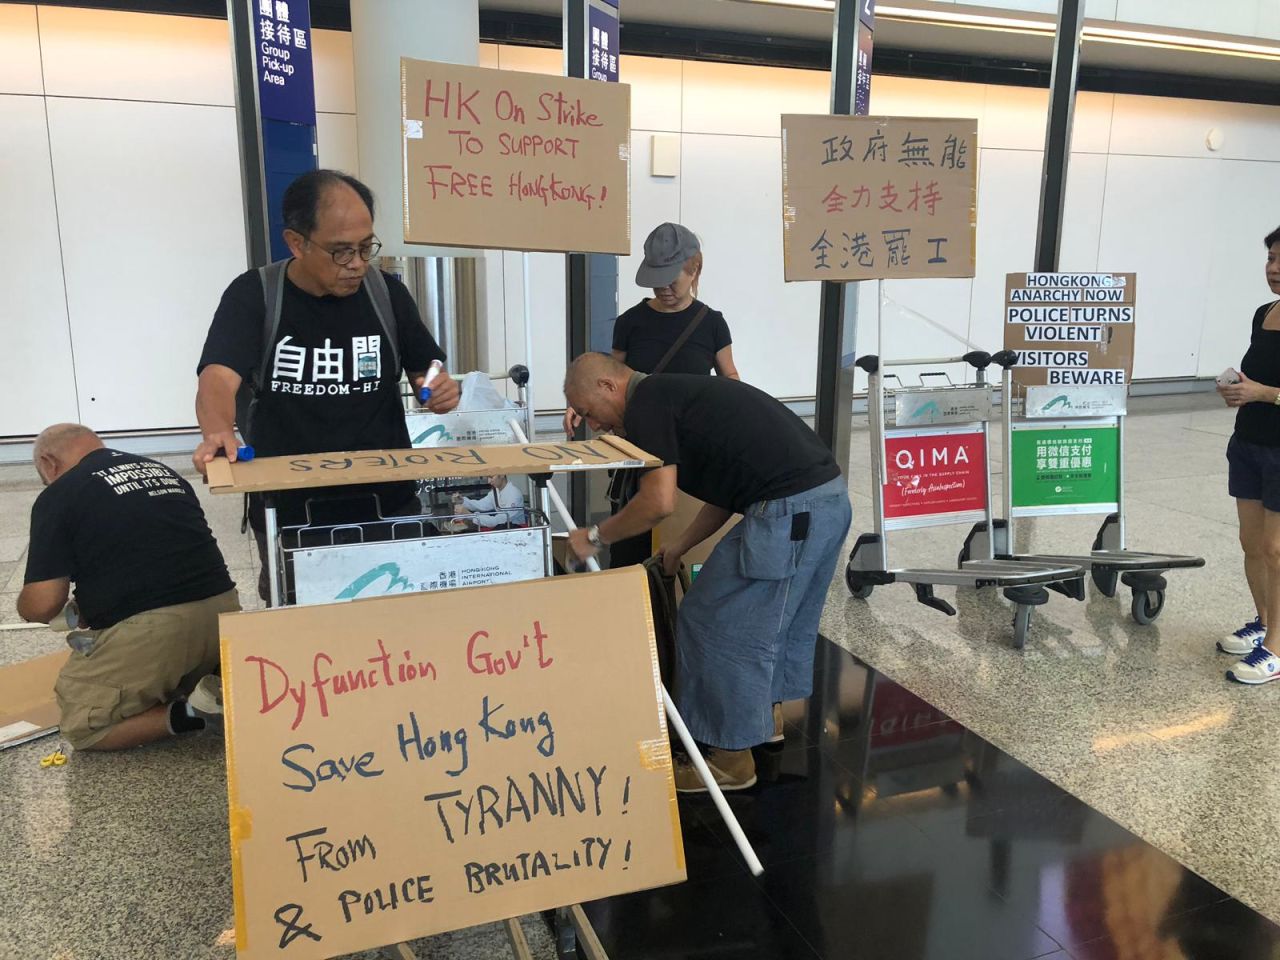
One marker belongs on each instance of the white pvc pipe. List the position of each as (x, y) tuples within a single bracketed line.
[(528, 318), (673, 715)]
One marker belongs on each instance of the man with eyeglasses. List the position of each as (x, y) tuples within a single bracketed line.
[(329, 380)]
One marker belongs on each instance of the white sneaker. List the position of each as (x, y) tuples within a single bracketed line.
[(206, 698), (1244, 640), (1260, 666)]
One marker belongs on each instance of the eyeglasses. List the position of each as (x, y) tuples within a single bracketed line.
[(344, 255)]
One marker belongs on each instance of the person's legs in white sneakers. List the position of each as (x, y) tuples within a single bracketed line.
[(1260, 537)]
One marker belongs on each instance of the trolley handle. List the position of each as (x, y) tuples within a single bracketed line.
[(1005, 359)]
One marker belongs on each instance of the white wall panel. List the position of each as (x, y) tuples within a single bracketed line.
[(1082, 216), (909, 96), (135, 56), (152, 232), (531, 59), (338, 149), (1221, 16), (334, 69), (19, 49), (37, 385), (1269, 20), (738, 99), (1159, 220), (1232, 243), (654, 200), (655, 92), (1156, 126), (1008, 203), (774, 324)]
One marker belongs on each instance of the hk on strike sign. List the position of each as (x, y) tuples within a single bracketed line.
[(865, 198), (404, 766), (515, 161)]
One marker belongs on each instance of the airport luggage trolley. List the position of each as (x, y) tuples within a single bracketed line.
[(930, 468), (318, 562), (1064, 456)]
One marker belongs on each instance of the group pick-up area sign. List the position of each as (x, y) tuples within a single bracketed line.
[(1070, 329), (515, 161), (405, 766), (866, 198)]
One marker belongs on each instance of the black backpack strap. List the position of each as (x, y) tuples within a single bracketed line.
[(375, 285), (272, 276)]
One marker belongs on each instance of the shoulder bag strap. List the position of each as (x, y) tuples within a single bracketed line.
[(680, 341), (375, 284)]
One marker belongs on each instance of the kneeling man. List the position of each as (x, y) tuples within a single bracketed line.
[(149, 585), (746, 632)]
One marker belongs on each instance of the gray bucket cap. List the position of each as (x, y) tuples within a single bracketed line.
[(665, 251)]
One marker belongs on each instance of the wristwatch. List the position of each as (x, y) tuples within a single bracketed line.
[(593, 535)]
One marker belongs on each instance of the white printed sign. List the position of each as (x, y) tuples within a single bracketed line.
[(352, 571)]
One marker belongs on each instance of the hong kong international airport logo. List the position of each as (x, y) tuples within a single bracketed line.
[(364, 585)]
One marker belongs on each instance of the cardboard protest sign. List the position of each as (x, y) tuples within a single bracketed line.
[(516, 161), (376, 466), (865, 198), (1070, 330), (404, 766), (28, 709)]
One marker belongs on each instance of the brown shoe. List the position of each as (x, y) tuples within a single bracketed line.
[(779, 734), (733, 770)]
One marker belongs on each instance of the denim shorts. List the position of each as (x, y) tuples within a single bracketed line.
[(1253, 473)]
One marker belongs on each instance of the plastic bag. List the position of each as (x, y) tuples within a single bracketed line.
[(478, 393)]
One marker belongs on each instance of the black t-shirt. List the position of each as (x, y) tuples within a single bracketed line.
[(1260, 422), (331, 383), (734, 445), (131, 535), (646, 334)]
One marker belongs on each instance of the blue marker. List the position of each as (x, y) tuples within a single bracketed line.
[(245, 453), (424, 393)]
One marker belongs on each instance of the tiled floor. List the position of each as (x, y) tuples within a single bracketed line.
[(1137, 721), (888, 829)]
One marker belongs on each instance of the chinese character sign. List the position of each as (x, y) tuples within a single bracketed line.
[(515, 161), (1070, 329), (603, 44), (403, 766), (286, 89), (1065, 466), (865, 198)]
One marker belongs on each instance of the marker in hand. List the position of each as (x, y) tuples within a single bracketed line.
[(424, 392), (244, 454)]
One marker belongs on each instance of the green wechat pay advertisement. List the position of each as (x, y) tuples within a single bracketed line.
[(1065, 466)]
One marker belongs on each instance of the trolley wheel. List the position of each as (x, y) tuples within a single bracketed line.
[(965, 555), (1021, 623), (1147, 605), (857, 585)]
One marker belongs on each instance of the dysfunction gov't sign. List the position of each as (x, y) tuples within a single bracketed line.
[(405, 766), (866, 198), (515, 161)]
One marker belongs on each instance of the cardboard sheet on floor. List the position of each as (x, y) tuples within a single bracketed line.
[(27, 707), (404, 766), (376, 466)]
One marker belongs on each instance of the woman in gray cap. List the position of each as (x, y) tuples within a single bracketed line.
[(673, 325)]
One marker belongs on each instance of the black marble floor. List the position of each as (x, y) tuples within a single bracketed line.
[(890, 832)]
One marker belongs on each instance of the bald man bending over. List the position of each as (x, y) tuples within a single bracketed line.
[(150, 583)]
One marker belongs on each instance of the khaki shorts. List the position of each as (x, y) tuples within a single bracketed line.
[(144, 660)]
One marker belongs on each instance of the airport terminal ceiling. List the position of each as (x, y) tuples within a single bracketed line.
[(1006, 47)]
